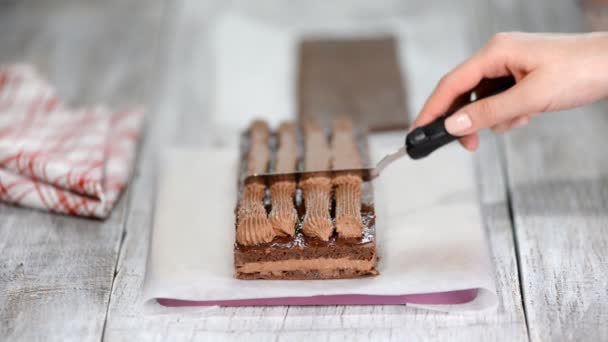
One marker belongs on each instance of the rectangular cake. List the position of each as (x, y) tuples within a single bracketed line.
[(321, 226)]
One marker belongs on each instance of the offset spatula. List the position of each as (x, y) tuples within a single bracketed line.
[(421, 141)]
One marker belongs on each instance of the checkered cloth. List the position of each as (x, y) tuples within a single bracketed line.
[(55, 158)]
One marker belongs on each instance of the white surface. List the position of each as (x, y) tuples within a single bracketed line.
[(254, 69), (256, 60), (430, 237)]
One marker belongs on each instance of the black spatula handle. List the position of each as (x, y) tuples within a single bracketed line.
[(423, 140)]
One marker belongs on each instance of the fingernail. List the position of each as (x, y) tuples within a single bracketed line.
[(458, 123)]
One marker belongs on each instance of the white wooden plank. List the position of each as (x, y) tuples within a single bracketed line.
[(186, 96), (558, 172), (56, 272), (558, 179)]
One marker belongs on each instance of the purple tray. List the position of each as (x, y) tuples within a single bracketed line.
[(437, 298)]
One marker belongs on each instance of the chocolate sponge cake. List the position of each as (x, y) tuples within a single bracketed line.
[(320, 226)]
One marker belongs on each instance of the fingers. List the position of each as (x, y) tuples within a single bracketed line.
[(511, 124), (462, 79), (492, 111), (489, 62), (470, 142)]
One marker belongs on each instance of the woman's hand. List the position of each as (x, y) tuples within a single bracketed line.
[(553, 72)]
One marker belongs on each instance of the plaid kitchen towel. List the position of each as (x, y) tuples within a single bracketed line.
[(55, 158)]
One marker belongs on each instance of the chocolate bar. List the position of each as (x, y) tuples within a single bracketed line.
[(360, 78)]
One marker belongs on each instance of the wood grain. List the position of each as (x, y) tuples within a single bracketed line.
[(559, 192), (56, 272), (59, 275), (558, 180)]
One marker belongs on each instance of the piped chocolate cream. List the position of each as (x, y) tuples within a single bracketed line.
[(253, 226), (347, 186), (283, 215), (317, 189)]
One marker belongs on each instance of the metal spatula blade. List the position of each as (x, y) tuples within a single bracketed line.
[(366, 173)]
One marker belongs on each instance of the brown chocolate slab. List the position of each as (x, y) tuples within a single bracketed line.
[(359, 78)]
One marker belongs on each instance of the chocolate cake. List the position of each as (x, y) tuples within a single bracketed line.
[(321, 226)]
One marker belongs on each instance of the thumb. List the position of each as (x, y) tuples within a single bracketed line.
[(490, 111)]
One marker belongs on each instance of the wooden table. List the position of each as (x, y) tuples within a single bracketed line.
[(544, 189)]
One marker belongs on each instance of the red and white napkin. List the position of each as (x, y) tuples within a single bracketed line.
[(60, 159)]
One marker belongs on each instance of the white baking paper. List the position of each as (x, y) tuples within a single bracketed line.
[(430, 236)]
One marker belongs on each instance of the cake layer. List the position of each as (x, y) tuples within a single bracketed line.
[(342, 273), (303, 247), (306, 264)]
